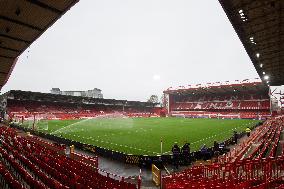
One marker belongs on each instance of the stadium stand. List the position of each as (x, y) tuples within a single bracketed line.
[(25, 163), (258, 162), (28, 104), (245, 99)]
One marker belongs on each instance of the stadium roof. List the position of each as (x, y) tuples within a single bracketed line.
[(21, 23), (259, 25), (56, 98), (244, 86)]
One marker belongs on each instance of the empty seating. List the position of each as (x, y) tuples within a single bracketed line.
[(27, 110), (39, 165), (223, 106), (254, 163)]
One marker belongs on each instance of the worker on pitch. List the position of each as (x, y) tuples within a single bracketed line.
[(248, 131), (176, 155)]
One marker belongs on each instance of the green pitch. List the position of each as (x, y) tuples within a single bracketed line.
[(142, 136)]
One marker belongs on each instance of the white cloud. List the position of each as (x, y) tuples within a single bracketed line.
[(156, 77), (113, 45)]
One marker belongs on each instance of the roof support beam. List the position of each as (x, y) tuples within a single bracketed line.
[(270, 58), (7, 48), (42, 5), (259, 32), (206, 90), (20, 23), (265, 29), (252, 19), (279, 37), (14, 38), (3, 73), (272, 51), (260, 41), (8, 57), (262, 48), (243, 5), (267, 15)]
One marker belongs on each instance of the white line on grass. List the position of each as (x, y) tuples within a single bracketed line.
[(66, 128)]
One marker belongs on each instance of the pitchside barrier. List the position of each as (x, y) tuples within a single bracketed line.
[(140, 160)]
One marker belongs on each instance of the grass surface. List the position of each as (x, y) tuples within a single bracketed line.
[(141, 136)]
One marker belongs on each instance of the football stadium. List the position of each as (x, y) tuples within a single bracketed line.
[(219, 134)]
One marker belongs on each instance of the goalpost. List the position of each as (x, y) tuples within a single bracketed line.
[(41, 122), (37, 122)]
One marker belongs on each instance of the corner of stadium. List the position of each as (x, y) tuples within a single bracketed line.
[(227, 134)]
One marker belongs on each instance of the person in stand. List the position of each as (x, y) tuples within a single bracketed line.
[(216, 147), (235, 137), (186, 153), (216, 151), (248, 131), (205, 154), (222, 147), (176, 154)]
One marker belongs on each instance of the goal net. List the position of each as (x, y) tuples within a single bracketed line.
[(38, 122)]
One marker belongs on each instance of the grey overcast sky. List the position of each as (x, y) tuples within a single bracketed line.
[(134, 48)]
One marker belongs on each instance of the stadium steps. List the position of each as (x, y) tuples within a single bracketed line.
[(271, 148), (282, 135), (280, 149), (250, 150), (266, 155)]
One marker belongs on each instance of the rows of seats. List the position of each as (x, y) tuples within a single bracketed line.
[(254, 163), (50, 145), (254, 114), (245, 174), (53, 111), (11, 160), (263, 143), (93, 161), (8, 180), (209, 114), (240, 104), (266, 144), (215, 97), (233, 105), (140, 114), (223, 114), (37, 166), (264, 104)]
